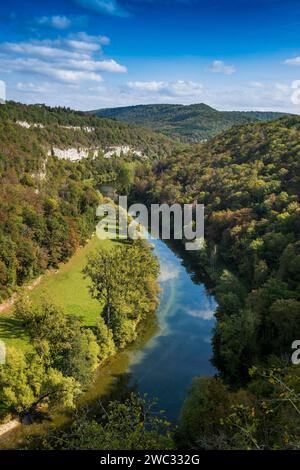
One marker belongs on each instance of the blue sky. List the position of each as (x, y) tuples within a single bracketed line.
[(88, 54)]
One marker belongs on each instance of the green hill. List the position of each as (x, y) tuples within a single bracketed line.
[(249, 181), (65, 127), (192, 123)]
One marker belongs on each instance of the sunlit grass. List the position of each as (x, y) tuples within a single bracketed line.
[(67, 288)]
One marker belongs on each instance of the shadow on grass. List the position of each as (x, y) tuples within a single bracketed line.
[(11, 328)]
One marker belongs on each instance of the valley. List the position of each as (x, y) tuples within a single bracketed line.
[(97, 315)]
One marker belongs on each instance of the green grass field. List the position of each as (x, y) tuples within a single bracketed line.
[(66, 288)]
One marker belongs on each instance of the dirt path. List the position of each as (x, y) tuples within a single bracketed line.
[(7, 304), (13, 424)]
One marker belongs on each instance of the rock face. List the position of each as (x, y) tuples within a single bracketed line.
[(78, 128), (122, 150), (28, 125), (73, 154)]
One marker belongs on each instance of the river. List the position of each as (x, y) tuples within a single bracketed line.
[(181, 347)]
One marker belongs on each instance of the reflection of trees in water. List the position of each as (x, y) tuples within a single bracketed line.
[(191, 264), (120, 389)]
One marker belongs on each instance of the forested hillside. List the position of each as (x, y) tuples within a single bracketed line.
[(249, 180), (47, 205), (65, 127), (192, 123)]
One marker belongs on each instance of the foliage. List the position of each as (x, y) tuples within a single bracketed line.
[(128, 425), (124, 282), (48, 205), (248, 179), (27, 381), (266, 416), (192, 123)]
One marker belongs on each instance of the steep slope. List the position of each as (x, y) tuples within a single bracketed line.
[(249, 180), (63, 127), (192, 123)]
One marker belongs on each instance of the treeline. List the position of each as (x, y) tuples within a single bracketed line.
[(249, 181), (192, 123), (58, 123)]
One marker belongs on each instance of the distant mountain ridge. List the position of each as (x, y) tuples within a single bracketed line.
[(188, 123)]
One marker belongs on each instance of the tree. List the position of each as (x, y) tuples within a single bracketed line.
[(26, 382), (125, 177), (123, 280), (60, 339), (105, 340)]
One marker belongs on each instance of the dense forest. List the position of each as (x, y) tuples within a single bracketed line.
[(249, 180), (192, 123)]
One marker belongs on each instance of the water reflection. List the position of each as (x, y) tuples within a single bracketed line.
[(181, 348)]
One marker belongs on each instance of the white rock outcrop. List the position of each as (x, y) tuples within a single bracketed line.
[(28, 125), (73, 154), (119, 150)]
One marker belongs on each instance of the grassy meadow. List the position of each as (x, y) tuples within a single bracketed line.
[(66, 287)]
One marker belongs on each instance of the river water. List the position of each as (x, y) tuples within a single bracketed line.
[(180, 349)]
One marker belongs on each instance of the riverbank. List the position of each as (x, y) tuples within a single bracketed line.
[(167, 355)]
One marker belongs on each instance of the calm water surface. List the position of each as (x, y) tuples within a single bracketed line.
[(181, 348)]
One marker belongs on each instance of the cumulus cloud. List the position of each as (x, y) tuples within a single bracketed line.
[(257, 84), (293, 61), (218, 66), (183, 88), (32, 87), (168, 272), (101, 65), (71, 59), (147, 86)]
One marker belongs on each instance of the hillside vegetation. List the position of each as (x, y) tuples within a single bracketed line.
[(47, 205), (65, 128), (192, 123), (249, 180)]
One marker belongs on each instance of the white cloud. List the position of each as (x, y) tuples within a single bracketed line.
[(56, 21), (71, 59), (185, 88), (148, 86), (101, 65), (176, 89), (85, 42), (45, 49), (71, 75), (218, 66), (293, 61), (32, 87)]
